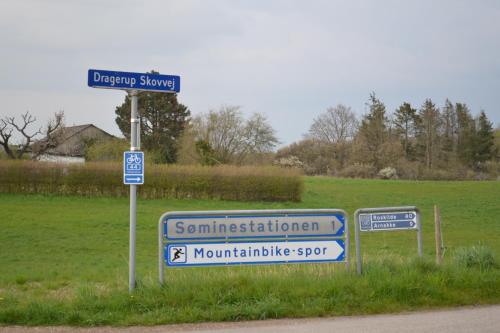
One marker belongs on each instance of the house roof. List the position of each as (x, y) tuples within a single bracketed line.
[(72, 140), (69, 131)]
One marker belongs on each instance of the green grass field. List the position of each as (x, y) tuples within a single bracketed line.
[(64, 260)]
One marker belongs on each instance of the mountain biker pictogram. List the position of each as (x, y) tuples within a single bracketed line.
[(178, 254)]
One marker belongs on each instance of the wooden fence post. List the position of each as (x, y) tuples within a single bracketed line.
[(437, 233)]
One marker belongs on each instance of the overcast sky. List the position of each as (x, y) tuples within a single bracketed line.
[(288, 60)]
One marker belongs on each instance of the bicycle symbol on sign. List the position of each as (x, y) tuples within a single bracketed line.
[(365, 221), (134, 159)]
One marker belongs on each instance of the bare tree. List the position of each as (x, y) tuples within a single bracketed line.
[(30, 138), (336, 125), (231, 137), (5, 136)]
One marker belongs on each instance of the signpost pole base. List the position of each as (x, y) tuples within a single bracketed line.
[(131, 272)]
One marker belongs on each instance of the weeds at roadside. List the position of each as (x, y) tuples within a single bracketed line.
[(263, 292)]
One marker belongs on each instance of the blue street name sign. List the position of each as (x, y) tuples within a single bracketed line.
[(133, 167), (388, 221), (134, 81)]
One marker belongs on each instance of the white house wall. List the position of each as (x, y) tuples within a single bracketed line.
[(61, 159)]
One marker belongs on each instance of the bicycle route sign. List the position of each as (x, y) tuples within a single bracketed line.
[(133, 168)]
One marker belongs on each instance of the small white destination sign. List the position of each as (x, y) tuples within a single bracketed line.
[(397, 220)]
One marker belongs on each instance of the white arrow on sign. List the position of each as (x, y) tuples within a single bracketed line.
[(337, 224), (130, 179), (136, 179)]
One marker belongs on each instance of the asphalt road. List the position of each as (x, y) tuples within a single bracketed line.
[(470, 319)]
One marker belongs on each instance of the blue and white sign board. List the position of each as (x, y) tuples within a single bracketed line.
[(133, 81), (250, 237), (187, 226), (388, 221), (133, 167), (248, 253)]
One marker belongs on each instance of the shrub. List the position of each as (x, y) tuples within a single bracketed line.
[(475, 256), (407, 169), (315, 156), (388, 173), (359, 170), (161, 181), (492, 169), (456, 173), (110, 150), (289, 162)]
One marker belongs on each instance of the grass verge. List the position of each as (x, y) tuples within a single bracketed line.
[(250, 293)]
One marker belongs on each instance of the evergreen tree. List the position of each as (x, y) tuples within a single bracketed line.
[(466, 132), (485, 140), (405, 122), (373, 130), (163, 119), (429, 132)]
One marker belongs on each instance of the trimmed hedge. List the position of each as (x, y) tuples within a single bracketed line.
[(161, 181)]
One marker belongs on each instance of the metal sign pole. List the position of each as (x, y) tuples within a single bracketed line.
[(357, 241), (160, 251), (347, 243), (134, 146)]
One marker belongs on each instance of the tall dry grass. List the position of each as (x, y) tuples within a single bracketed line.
[(161, 181)]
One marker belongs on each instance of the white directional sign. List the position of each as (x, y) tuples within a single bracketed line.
[(388, 221), (250, 237), (188, 226), (244, 253)]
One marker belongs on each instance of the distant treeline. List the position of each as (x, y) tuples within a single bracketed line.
[(425, 143), (161, 181)]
